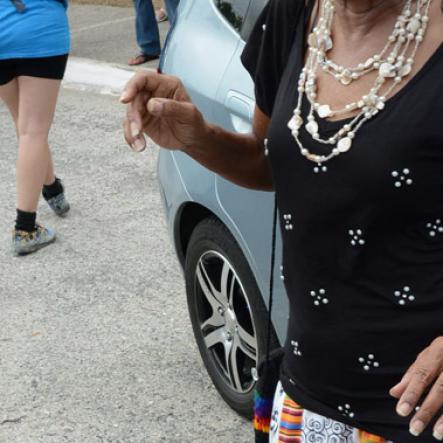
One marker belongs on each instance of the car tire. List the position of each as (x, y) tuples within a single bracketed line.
[(222, 293)]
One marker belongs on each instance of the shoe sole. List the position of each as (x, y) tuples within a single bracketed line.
[(35, 248)]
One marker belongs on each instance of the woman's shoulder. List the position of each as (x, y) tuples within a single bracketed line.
[(269, 45), (285, 10), (283, 21), (275, 30), (288, 5)]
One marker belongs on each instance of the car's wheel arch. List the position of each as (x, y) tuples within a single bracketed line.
[(188, 216)]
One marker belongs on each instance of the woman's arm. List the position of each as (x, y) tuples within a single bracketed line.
[(238, 158), (159, 106)]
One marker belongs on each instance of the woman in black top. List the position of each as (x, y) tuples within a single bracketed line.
[(359, 183)]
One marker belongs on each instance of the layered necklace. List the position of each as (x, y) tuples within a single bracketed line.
[(393, 65)]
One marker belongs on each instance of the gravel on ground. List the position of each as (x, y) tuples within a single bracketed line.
[(95, 341), (157, 3)]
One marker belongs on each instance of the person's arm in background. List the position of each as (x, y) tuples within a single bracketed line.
[(159, 106)]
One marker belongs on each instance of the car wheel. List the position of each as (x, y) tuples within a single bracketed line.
[(227, 312)]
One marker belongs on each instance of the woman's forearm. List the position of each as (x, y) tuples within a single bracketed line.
[(239, 158)]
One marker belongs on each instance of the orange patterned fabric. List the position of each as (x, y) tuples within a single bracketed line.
[(365, 437), (290, 428), (291, 422)]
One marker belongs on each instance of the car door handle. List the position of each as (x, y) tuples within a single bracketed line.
[(240, 108)]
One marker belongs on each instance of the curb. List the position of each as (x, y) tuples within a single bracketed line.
[(100, 77)]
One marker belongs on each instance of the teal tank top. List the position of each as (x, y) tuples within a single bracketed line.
[(41, 30)]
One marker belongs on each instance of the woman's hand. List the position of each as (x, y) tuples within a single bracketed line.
[(159, 106), (424, 376)]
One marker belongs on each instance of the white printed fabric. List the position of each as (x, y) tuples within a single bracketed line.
[(314, 428)]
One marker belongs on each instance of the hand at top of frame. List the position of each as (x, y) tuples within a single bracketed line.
[(159, 106), (424, 376)]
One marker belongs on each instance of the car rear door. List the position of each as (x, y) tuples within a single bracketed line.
[(203, 42), (251, 211)]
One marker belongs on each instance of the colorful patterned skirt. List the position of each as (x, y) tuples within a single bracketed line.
[(292, 424)]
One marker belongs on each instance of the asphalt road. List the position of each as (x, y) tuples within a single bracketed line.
[(106, 33), (95, 342)]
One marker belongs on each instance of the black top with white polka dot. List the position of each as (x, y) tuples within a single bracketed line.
[(363, 237)]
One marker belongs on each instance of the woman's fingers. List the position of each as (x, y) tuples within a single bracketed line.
[(140, 82), (426, 374), (179, 111), (430, 407), (423, 375), (154, 84), (133, 136), (438, 429), (398, 390), (182, 124), (135, 115), (137, 94)]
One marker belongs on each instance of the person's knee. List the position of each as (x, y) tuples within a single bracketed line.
[(32, 136)]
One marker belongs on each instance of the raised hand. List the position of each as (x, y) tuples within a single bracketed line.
[(159, 106)]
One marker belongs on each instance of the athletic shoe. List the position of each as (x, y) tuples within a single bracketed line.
[(59, 204), (25, 242)]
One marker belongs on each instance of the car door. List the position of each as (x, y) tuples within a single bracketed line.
[(200, 48), (250, 211)]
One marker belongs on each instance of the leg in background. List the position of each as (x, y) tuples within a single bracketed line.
[(171, 8), (146, 27), (9, 94), (37, 102), (50, 174)]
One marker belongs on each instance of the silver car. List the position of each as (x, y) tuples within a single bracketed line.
[(221, 232)]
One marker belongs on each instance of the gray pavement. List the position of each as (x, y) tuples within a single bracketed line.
[(95, 342), (106, 33)]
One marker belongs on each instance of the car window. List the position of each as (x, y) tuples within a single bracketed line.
[(251, 17), (234, 11)]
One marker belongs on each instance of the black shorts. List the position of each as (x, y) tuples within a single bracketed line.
[(46, 67)]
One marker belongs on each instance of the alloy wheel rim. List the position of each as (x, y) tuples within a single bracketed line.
[(226, 322)]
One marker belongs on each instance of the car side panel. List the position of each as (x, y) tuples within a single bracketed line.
[(251, 212), (200, 58), (187, 57), (247, 214)]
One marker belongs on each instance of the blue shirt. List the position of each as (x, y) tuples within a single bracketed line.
[(42, 30)]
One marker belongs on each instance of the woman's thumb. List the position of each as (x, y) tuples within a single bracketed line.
[(156, 106), (163, 107)]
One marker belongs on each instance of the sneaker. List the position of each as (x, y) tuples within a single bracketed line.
[(59, 204), (25, 242)]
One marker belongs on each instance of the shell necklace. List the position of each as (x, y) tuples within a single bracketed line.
[(393, 64)]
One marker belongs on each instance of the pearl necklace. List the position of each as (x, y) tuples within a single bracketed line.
[(394, 63)]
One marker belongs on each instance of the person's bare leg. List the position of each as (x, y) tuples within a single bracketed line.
[(50, 175), (37, 102), (9, 94)]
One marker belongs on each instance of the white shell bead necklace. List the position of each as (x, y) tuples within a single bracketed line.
[(393, 67)]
